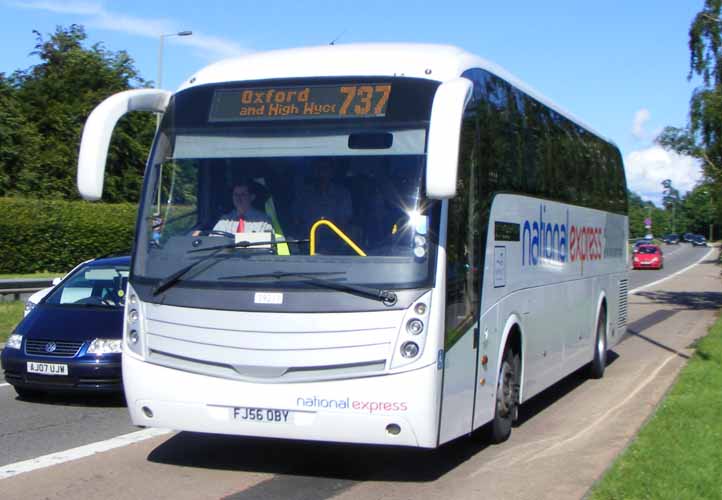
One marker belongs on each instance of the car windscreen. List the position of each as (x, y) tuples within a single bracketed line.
[(648, 250), (93, 286)]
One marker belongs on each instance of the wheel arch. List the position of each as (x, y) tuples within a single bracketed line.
[(512, 334)]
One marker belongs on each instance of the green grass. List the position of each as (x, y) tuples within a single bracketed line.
[(10, 315), (678, 453), (34, 275)]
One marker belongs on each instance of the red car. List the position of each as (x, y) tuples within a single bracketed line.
[(648, 257)]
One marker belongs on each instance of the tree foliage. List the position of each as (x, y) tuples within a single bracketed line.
[(701, 138), (43, 110)]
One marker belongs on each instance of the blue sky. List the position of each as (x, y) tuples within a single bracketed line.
[(621, 66)]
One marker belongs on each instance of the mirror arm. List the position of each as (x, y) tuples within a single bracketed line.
[(442, 155), (99, 129)]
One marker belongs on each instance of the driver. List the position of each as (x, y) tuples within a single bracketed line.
[(243, 218)]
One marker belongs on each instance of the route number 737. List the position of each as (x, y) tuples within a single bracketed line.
[(364, 98)]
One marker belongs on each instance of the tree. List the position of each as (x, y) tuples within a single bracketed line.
[(56, 96), (701, 138), (19, 140)]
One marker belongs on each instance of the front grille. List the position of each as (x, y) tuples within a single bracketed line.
[(63, 349)]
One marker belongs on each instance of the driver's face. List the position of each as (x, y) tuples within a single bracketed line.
[(242, 198)]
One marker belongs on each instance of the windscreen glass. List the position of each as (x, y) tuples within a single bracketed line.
[(337, 194), (93, 286)]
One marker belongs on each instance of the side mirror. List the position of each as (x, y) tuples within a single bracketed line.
[(56, 281), (99, 128), (442, 156)]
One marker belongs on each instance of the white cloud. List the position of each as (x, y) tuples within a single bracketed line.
[(641, 117), (647, 168), (97, 16)]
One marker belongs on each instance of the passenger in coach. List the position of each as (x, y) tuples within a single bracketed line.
[(324, 199)]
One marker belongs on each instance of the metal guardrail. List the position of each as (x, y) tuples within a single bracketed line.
[(23, 286)]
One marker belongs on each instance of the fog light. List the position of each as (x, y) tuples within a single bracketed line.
[(393, 429), (409, 349), (133, 336), (419, 241), (147, 412), (133, 315), (415, 326), (420, 308), (133, 299)]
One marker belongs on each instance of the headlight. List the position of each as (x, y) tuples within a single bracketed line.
[(14, 342), (409, 349), (133, 315), (104, 346), (415, 326)]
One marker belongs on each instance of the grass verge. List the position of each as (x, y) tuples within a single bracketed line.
[(33, 275), (10, 315), (678, 453)]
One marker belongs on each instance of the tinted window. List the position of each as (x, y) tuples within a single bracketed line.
[(527, 147), (466, 224)]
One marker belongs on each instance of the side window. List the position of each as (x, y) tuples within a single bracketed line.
[(463, 238)]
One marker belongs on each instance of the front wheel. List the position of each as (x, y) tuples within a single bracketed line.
[(507, 397), (599, 363)]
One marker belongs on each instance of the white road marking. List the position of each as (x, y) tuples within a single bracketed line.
[(549, 450), (639, 289), (79, 452), (605, 416)]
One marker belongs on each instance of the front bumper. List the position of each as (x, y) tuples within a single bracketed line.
[(86, 372), (358, 410)]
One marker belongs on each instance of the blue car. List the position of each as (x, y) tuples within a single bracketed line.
[(71, 341)]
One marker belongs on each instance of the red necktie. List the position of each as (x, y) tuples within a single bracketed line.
[(241, 225)]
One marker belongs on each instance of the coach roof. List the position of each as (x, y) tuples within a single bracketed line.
[(432, 62)]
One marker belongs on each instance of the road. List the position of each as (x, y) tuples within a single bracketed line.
[(566, 438), (676, 258)]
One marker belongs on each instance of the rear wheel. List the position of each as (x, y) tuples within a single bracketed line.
[(24, 393), (599, 363), (507, 397)]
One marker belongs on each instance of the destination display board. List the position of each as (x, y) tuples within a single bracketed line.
[(362, 100)]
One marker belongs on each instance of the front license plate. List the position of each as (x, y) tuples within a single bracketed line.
[(265, 415), (47, 368)]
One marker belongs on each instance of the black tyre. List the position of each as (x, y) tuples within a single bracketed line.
[(24, 393), (599, 363), (507, 397)]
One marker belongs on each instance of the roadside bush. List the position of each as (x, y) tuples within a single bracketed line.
[(55, 235)]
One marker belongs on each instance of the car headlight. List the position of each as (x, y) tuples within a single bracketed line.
[(29, 306), (104, 346), (15, 341)]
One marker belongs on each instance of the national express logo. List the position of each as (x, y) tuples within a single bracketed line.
[(559, 241), (353, 404)]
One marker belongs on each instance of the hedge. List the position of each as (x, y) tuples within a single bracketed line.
[(55, 235)]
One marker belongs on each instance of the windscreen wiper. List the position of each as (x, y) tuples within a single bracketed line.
[(386, 296), (246, 244), (176, 276), (171, 280)]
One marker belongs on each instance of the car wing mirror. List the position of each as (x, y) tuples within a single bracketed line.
[(99, 129), (56, 281)]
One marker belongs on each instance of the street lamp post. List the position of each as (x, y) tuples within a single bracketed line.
[(159, 83), (160, 53)]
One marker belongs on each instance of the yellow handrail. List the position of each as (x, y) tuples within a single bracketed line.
[(339, 233)]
